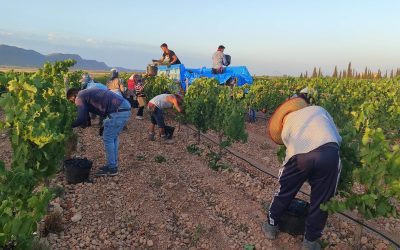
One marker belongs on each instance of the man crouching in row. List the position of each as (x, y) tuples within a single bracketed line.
[(156, 106)]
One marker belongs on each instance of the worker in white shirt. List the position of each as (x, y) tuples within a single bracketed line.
[(220, 60), (312, 154)]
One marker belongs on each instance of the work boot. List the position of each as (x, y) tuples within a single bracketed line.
[(151, 136), (169, 131), (310, 245), (166, 139), (270, 231), (169, 141), (104, 168), (106, 171), (112, 172)]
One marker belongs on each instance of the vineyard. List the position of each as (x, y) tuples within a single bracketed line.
[(367, 114), (192, 194)]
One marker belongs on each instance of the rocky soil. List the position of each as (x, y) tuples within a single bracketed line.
[(179, 203)]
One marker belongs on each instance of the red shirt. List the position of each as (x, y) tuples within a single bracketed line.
[(131, 84)]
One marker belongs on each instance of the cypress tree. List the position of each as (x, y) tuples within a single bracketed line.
[(314, 73), (391, 74), (349, 71), (335, 73), (379, 74), (319, 72)]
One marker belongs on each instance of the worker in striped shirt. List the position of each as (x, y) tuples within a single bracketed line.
[(141, 98)]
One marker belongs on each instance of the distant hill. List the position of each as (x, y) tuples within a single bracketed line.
[(14, 56), (80, 62)]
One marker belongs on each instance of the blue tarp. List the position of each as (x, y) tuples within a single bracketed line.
[(180, 74)]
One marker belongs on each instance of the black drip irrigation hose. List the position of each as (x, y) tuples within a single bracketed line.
[(261, 117), (397, 244)]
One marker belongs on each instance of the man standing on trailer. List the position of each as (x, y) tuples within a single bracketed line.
[(219, 60), (168, 57)]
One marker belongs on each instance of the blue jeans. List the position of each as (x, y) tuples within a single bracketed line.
[(113, 125)]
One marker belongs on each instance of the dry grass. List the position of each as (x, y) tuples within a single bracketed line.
[(93, 73), (17, 69)]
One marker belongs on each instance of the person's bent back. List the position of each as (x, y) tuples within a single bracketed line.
[(98, 101), (116, 111)]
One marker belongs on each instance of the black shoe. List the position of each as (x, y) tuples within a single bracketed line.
[(107, 171), (270, 231), (169, 131), (151, 136), (112, 171), (310, 245), (104, 168)]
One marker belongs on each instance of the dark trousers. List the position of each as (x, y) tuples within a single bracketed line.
[(157, 117), (321, 167), (140, 111)]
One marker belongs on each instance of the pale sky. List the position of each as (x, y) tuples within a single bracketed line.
[(270, 37)]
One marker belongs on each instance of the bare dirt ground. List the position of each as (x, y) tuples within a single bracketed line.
[(5, 145), (180, 203)]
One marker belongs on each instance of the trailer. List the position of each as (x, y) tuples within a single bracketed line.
[(236, 75)]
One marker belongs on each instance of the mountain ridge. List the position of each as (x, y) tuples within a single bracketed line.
[(20, 57)]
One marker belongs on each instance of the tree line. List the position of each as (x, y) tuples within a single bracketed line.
[(353, 74)]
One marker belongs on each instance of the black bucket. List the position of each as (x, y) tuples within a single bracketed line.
[(293, 221), (77, 170)]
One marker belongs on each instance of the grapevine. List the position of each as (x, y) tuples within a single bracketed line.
[(367, 114), (38, 119)]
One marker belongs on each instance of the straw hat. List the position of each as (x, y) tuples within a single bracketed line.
[(304, 91), (275, 124)]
